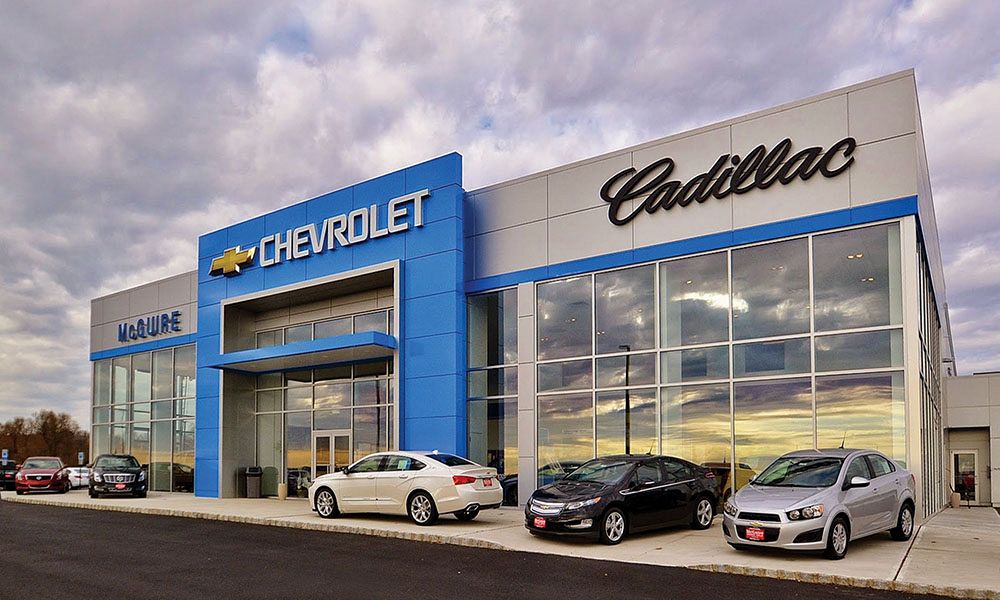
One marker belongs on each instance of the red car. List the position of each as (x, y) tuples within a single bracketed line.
[(42, 474)]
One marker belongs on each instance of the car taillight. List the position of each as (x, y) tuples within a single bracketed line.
[(462, 479)]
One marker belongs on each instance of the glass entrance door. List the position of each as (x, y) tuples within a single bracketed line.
[(964, 469), (331, 450)]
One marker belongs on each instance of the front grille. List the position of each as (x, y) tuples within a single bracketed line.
[(770, 533), (119, 478), (764, 517), (813, 535), (39, 477), (546, 508)]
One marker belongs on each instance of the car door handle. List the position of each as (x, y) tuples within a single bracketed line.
[(404, 476)]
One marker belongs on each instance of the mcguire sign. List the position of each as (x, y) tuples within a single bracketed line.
[(760, 169)]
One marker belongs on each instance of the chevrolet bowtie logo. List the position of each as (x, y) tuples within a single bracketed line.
[(231, 261)]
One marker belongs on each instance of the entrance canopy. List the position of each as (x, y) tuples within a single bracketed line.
[(324, 351)]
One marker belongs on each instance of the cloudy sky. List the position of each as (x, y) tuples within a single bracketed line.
[(127, 129)]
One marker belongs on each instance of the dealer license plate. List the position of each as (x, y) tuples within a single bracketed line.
[(119, 486), (755, 533), (488, 482), (540, 522)]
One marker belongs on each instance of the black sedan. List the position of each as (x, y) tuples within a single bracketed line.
[(612, 496), (119, 475)]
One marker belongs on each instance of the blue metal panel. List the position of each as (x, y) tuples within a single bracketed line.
[(354, 340), (380, 190), (446, 434), (180, 340), (245, 234), (432, 238), (334, 203), (250, 280), (206, 386), (440, 395), (206, 443), (435, 314), (444, 203), (433, 274), (206, 475), (435, 355), (212, 244), (435, 173)]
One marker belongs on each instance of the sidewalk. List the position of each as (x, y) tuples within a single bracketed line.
[(957, 553)]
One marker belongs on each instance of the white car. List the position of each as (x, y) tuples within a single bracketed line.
[(423, 485), (79, 477)]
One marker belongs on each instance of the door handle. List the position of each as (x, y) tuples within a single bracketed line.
[(403, 476)]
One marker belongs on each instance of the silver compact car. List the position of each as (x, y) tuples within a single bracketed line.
[(821, 500)]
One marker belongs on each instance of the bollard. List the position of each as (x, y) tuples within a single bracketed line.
[(956, 500), (282, 491)]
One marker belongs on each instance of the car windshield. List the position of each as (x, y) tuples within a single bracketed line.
[(801, 471), (42, 463), (451, 460), (597, 471), (116, 462)]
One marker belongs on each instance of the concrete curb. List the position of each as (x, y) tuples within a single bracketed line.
[(458, 540), (271, 522)]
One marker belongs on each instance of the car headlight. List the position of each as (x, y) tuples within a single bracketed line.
[(582, 503), (96, 477), (809, 512), (142, 476), (731, 509)]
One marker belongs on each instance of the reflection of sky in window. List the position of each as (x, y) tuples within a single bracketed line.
[(569, 375), (771, 289), (641, 370), (771, 418), (853, 278), (625, 309), (565, 427), (867, 350), (695, 422), (867, 408), (564, 328), (694, 300), (611, 421)]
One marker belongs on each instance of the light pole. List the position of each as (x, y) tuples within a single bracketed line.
[(628, 403)]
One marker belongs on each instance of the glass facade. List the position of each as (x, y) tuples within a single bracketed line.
[(143, 404), (357, 400), (379, 320), (931, 428), (729, 357)]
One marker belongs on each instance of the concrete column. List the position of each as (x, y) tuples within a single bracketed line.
[(526, 418)]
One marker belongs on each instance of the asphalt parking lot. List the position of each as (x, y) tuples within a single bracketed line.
[(48, 552)]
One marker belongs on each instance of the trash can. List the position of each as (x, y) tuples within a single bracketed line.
[(253, 475)]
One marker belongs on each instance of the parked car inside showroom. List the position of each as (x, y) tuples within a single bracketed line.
[(822, 500), (612, 496), (79, 477), (423, 485), (41, 474), (117, 475)]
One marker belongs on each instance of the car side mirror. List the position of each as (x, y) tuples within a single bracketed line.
[(856, 482), (345, 470), (144, 467), (18, 467)]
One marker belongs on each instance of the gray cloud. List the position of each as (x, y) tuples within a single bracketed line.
[(127, 130)]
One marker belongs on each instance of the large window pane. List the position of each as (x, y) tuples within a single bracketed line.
[(120, 373), (625, 309), (565, 432), (142, 377), (269, 452), (102, 440), (183, 466), (375, 391), (184, 371), (269, 400), (119, 439), (102, 382), (493, 434), (493, 329), (160, 464), (867, 350), (370, 431), (771, 289), (695, 423), (140, 411), (163, 362), (298, 398), (370, 322), (563, 318), (298, 333), (630, 369), (140, 442), (102, 415), (266, 339), (695, 364), (694, 300), (857, 281), (268, 380), (334, 327), (771, 418), (493, 382), (626, 422), (163, 409), (771, 358), (339, 373), (332, 419), (298, 451), (568, 375), (862, 411), (333, 395)]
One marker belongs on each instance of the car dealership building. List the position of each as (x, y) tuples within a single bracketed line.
[(768, 283)]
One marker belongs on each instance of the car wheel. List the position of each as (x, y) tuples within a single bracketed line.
[(467, 515), (838, 539), (613, 527), (421, 509), (703, 512), (20, 492), (91, 493), (140, 495), (326, 504), (904, 524)]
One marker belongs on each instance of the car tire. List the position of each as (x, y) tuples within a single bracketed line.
[(904, 524), (20, 492), (140, 495), (325, 503), (614, 526), (92, 493), (421, 509), (838, 539), (467, 515), (702, 513)]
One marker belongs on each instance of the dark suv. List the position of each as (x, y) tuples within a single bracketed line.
[(8, 470), (119, 475)]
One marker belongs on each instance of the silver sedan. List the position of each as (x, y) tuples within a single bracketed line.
[(821, 500)]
